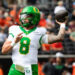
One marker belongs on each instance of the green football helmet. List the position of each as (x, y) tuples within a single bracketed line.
[(31, 14)]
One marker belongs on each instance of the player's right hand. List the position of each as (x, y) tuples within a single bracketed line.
[(18, 37), (62, 22)]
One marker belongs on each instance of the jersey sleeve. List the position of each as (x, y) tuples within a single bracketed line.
[(11, 33), (44, 39), (44, 36)]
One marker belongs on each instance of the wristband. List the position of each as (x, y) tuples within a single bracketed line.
[(62, 25), (13, 44)]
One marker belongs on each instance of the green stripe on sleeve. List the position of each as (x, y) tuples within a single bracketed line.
[(40, 40), (11, 34)]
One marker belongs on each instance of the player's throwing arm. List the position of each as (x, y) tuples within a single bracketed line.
[(60, 36)]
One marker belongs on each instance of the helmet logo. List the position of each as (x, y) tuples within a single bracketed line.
[(34, 9), (38, 10)]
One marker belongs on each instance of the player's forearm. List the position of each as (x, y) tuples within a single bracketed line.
[(59, 37), (61, 34), (6, 49)]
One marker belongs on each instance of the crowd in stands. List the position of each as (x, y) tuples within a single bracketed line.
[(10, 16), (57, 66)]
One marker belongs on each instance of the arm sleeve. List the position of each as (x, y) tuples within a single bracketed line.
[(44, 36)]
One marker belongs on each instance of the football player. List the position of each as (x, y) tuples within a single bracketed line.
[(25, 40)]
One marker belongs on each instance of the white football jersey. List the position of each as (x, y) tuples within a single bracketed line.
[(26, 50)]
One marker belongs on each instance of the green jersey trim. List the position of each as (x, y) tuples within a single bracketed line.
[(40, 40), (11, 34), (27, 32)]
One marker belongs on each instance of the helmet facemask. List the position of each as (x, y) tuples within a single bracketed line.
[(26, 19)]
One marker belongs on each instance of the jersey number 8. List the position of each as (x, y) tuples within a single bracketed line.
[(24, 45)]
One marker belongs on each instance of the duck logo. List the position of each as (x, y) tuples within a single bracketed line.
[(28, 71)]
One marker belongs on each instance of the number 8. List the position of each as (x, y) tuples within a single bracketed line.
[(24, 45)]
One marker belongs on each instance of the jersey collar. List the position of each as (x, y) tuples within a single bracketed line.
[(27, 32)]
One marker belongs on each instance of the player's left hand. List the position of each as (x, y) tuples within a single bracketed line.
[(18, 37)]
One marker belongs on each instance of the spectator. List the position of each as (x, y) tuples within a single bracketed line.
[(60, 64), (72, 22), (9, 21), (3, 4), (68, 44), (50, 22), (73, 5), (72, 17), (68, 64), (13, 12), (72, 25), (72, 36), (2, 18), (66, 73), (59, 7), (49, 69), (72, 29), (18, 16), (42, 22)]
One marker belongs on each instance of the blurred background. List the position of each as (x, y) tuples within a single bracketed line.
[(53, 59)]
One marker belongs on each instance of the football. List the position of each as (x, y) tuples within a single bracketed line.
[(61, 15)]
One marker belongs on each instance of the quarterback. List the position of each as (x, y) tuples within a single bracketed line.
[(24, 40)]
